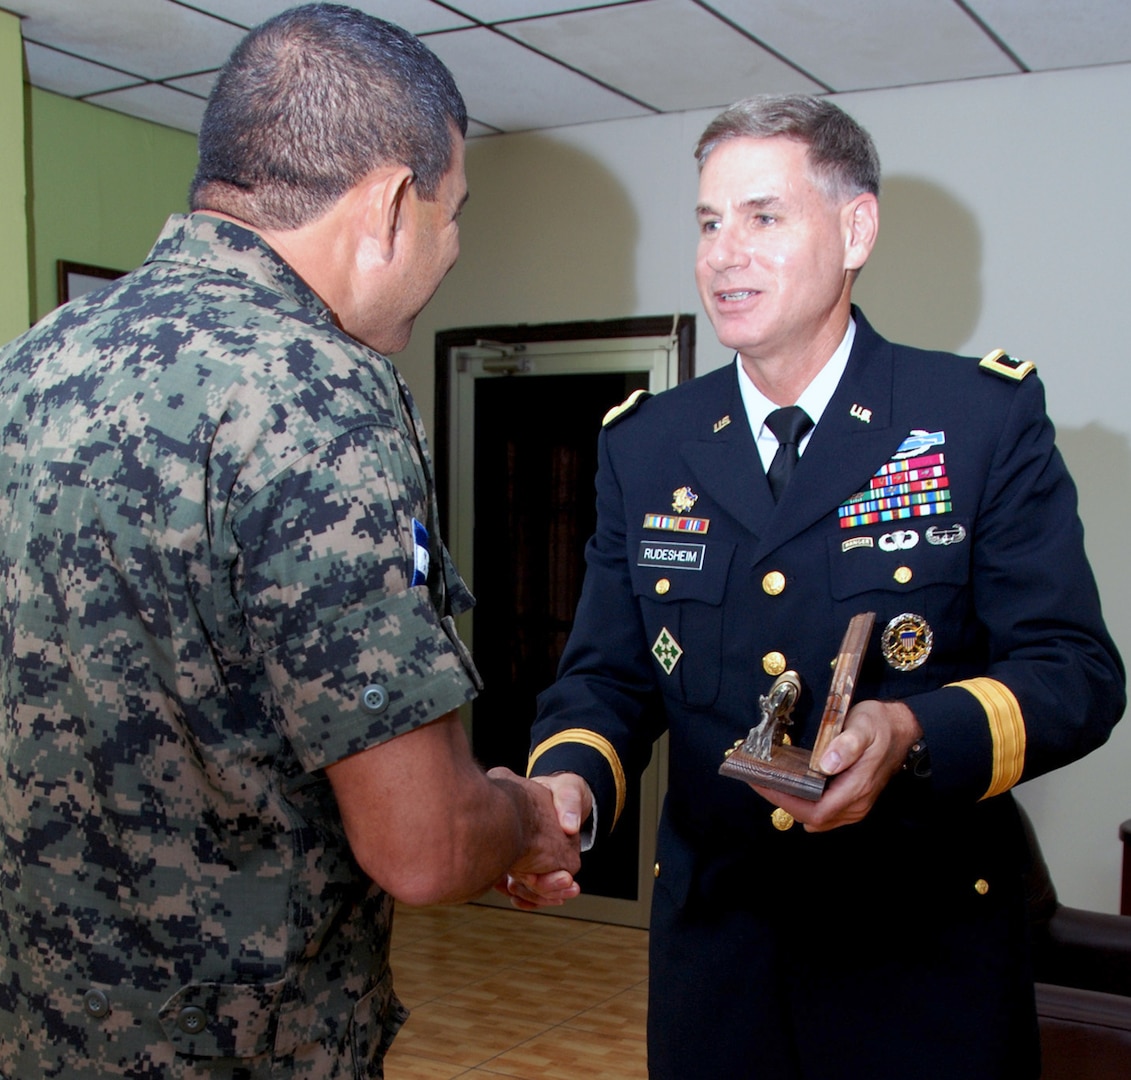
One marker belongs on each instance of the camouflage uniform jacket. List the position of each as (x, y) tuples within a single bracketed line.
[(214, 581)]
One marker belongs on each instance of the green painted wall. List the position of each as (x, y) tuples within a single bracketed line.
[(13, 192), (102, 186)]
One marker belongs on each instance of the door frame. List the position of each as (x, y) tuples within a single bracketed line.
[(681, 328), (509, 343)]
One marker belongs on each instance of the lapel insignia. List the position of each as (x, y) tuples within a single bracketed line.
[(683, 499), (913, 484), (666, 650), (720, 424), (861, 413)]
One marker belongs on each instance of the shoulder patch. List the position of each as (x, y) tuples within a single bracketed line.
[(619, 412), (1005, 366)]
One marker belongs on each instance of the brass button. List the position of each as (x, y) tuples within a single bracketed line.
[(903, 574), (981, 886), (656, 870), (773, 663), (782, 820), (773, 584), (663, 585)]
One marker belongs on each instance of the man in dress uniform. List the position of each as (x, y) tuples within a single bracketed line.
[(229, 673), (877, 933)]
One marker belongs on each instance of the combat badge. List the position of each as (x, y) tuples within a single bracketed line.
[(906, 641)]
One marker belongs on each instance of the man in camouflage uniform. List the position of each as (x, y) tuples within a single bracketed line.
[(229, 671)]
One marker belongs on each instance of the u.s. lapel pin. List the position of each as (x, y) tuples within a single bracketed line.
[(721, 423), (862, 414)]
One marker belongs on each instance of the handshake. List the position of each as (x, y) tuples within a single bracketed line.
[(556, 808)]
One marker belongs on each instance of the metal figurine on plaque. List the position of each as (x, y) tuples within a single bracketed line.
[(766, 757)]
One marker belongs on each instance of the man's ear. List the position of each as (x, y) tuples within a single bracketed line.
[(861, 220), (386, 199)]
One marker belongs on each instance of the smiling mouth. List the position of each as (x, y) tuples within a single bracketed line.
[(738, 294)]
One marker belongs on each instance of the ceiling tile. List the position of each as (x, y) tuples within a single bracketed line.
[(149, 38), (1047, 34), (418, 16), (716, 65), (68, 75), (158, 103), (865, 44), (491, 11), (661, 55), (200, 85), (512, 89), (475, 129)]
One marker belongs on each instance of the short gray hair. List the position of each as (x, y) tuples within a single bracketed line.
[(841, 153)]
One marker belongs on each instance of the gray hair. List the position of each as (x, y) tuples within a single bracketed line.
[(842, 155)]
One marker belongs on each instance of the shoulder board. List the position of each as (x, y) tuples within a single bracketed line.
[(1006, 367), (619, 412)]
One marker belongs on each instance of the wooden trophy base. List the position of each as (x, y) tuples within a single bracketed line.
[(787, 770), (765, 758)]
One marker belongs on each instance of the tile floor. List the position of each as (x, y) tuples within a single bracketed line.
[(501, 993)]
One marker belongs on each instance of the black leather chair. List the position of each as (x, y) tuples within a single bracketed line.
[(1082, 964)]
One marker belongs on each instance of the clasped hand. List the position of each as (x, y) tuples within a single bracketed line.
[(529, 886)]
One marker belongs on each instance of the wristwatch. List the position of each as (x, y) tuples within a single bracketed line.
[(918, 760)]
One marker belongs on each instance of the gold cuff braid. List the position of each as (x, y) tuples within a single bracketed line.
[(595, 742), (1007, 731)]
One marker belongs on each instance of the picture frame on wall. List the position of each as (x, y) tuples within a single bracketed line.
[(78, 278)]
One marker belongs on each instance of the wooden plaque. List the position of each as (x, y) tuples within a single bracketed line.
[(790, 768)]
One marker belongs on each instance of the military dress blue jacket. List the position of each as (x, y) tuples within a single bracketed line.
[(930, 488)]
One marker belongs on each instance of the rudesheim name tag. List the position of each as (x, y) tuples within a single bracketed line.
[(671, 556)]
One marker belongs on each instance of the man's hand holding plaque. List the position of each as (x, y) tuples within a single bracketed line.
[(766, 759)]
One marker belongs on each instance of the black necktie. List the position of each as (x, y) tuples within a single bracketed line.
[(789, 425)]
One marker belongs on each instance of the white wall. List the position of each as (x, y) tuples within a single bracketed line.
[(1003, 224)]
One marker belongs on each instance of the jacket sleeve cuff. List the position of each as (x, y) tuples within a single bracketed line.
[(594, 759), (976, 735)]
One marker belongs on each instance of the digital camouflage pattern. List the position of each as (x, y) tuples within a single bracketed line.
[(207, 596)]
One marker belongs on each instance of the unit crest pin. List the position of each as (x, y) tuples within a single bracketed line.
[(683, 499)]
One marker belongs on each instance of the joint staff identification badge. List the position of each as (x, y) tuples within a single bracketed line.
[(906, 641)]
